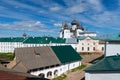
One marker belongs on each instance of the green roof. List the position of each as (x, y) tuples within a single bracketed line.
[(110, 63), (33, 40), (43, 40), (115, 37), (83, 37), (12, 39), (66, 54)]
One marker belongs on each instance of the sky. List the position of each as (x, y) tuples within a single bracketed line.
[(45, 17)]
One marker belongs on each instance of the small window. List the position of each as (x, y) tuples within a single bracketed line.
[(76, 48), (102, 48), (88, 48), (82, 48), (93, 48)]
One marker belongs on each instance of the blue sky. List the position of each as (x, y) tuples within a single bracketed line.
[(44, 17)]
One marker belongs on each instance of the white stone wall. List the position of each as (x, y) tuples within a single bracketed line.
[(8, 47), (112, 49), (102, 76), (61, 69)]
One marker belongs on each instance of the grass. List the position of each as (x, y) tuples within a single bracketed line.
[(63, 76), (9, 56), (79, 68)]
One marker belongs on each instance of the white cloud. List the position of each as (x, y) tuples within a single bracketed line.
[(8, 13), (107, 18), (80, 6), (75, 9), (96, 5), (89, 12), (21, 5), (56, 8), (25, 25), (58, 24)]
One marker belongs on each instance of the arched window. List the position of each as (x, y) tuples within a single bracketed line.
[(56, 73), (102, 48), (49, 74), (82, 48), (41, 75)]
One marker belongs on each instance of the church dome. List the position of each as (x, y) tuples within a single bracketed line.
[(79, 27), (24, 35), (74, 22), (65, 26)]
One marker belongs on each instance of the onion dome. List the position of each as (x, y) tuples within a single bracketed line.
[(65, 26), (79, 27), (24, 35), (74, 22)]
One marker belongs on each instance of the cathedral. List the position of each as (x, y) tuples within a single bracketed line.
[(74, 31)]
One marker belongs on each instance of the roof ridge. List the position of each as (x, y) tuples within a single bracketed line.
[(21, 63)]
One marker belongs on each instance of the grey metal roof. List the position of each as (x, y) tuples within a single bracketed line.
[(71, 41)]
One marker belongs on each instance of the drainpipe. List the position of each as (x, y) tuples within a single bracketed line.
[(105, 48)]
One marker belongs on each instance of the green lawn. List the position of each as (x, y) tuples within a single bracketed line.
[(9, 56), (79, 68), (63, 76)]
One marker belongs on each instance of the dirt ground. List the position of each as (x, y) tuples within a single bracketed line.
[(80, 74)]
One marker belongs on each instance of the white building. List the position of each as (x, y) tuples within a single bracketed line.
[(86, 41), (74, 31), (112, 45), (80, 39), (8, 44), (109, 67), (45, 61), (106, 69), (89, 44)]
